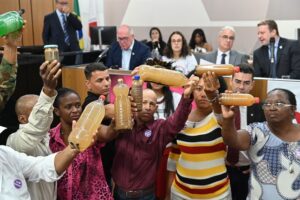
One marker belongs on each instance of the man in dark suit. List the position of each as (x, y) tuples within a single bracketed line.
[(286, 53), (225, 54), (239, 170), (60, 28), (127, 53)]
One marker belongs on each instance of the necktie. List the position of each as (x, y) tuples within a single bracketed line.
[(223, 58), (64, 22), (233, 154)]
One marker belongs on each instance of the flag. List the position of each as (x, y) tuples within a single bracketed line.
[(92, 14), (79, 32)]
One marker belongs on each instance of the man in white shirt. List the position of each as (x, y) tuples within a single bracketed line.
[(224, 54), (35, 114), (17, 168), (127, 53)]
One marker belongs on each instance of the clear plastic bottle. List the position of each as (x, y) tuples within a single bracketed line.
[(137, 92), (122, 104), (219, 70), (162, 76), (11, 22), (89, 121), (237, 99)]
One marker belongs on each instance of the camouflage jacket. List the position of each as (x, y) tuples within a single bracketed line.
[(8, 73)]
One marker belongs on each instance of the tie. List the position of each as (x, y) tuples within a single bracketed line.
[(233, 154), (223, 58), (64, 22)]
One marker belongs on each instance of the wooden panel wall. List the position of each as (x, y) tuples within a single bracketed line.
[(35, 10)]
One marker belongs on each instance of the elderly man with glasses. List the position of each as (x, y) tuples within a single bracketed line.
[(224, 54), (127, 53)]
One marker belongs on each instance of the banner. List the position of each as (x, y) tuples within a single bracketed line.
[(92, 14)]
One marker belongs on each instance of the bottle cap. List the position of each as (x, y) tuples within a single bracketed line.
[(120, 81), (21, 11), (102, 97), (256, 100), (236, 69), (136, 77)]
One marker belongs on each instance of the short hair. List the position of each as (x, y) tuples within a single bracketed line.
[(130, 30), (272, 25), (290, 95), (62, 92), (90, 68), (227, 28), (246, 69), (185, 51)]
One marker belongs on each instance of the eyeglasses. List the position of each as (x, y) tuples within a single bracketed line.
[(226, 37), (277, 105), (176, 41)]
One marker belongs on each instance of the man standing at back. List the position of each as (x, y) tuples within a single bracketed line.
[(127, 53), (238, 165), (98, 83), (60, 27), (224, 54), (277, 56)]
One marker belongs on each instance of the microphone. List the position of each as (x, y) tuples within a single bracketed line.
[(102, 54), (272, 49)]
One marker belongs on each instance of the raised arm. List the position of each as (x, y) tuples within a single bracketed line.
[(8, 68), (29, 135), (236, 139)]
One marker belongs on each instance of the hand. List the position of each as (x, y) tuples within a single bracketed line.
[(109, 111), (228, 111), (190, 86), (135, 71), (211, 84), (50, 74)]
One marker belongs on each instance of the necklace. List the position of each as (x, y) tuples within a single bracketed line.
[(291, 148)]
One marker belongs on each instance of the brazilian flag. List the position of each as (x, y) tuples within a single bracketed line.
[(79, 32)]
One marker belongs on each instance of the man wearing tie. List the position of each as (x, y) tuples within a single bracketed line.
[(224, 54), (60, 28), (278, 58), (127, 53), (237, 163)]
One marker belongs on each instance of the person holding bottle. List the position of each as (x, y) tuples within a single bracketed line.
[(178, 52), (197, 159), (198, 43), (8, 67), (85, 178), (272, 147), (138, 152), (238, 166), (156, 44)]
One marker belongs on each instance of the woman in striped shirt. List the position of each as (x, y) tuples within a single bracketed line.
[(198, 157)]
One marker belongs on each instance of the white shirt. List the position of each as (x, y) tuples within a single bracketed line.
[(243, 157), (33, 139), (184, 64), (15, 167), (126, 56), (60, 17), (219, 57), (160, 114)]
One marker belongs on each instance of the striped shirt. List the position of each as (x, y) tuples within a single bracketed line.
[(199, 161)]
